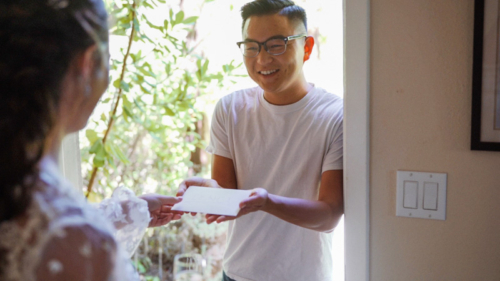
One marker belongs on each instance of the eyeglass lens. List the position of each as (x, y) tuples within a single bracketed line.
[(274, 46)]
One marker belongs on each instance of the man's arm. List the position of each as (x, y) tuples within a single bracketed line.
[(320, 215), (223, 172)]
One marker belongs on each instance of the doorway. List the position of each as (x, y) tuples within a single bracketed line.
[(356, 137)]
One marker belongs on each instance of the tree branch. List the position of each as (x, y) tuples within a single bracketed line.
[(118, 98)]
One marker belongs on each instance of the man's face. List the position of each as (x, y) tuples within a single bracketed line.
[(275, 74)]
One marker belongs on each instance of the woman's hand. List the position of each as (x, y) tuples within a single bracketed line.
[(160, 208)]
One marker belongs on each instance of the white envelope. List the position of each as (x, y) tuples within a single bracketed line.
[(215, 201)]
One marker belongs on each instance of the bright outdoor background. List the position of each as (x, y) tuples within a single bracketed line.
[(170, 63)]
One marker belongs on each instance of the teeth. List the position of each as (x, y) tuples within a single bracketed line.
[(268, 72)]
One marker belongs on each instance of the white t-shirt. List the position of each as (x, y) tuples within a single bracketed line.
[(283, 149)]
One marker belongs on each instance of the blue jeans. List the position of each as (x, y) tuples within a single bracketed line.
[(225, 278)]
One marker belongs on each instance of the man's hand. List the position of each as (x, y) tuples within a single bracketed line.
[(160, 208), (320, 215), (257, 201)]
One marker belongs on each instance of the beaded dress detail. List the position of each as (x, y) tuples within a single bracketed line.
[(62, 237)]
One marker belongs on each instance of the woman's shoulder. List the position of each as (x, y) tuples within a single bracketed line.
[(60, 201), (77, 252), (58, 230)]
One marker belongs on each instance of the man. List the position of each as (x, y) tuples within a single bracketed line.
[(283, 140)]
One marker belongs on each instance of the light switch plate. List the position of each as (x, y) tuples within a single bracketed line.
[(422, 179)]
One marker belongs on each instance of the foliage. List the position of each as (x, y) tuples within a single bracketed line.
[(188, 235), (148, 129)]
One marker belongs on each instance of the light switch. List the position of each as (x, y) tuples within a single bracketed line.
[(410, 200), (421, 195), (430, 196)]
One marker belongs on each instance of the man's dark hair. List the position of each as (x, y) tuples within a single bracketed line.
[(270, 7)]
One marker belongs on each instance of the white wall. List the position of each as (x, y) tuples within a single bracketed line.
[(421, 81)]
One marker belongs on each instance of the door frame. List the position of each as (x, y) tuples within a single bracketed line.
[(356, 139)]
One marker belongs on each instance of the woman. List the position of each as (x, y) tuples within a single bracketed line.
[(53, 70)]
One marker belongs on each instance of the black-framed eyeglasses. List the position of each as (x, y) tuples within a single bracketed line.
[(274, 45)]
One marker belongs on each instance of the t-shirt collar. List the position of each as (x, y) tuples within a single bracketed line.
[(289, 107)]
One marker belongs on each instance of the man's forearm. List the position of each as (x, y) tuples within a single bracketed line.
[(315, 215)]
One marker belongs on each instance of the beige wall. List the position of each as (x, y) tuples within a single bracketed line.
[(421, 69)]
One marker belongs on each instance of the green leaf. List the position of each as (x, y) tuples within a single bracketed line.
[(144, 90), (127, 111), (158, 51), (205, 67), (126, 117), (146, 70), (110, 150), (184, 105), (117, 152), (198, 63), (190, 20), (145, 3), (173, 39), (120, 32), (116, 83), (140, 267), (154, 26), (98, 162), (169, 111), (95, 146), (91, 135), (100, 153), (125, 26), (111, 161), (126, 102), (139, 106), (199, 75), (179, 17)]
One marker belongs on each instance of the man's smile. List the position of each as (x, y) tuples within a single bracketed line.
[(268, 72)]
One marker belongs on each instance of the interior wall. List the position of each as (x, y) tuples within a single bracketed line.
[(421, 81)]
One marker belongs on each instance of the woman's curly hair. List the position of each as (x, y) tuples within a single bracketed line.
[(38, 41)]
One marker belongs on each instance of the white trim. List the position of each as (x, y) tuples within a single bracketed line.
[(70, 161), (356, 139)]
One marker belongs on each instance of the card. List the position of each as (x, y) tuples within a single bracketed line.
[(215, 201)]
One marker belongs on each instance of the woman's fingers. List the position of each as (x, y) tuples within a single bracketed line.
[(211, 218), (182, 189), (169, 200)]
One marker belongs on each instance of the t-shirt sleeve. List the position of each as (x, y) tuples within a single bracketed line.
[(219, 141), (333, 159)]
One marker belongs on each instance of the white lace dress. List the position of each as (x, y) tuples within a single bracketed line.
[(62, 237)]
